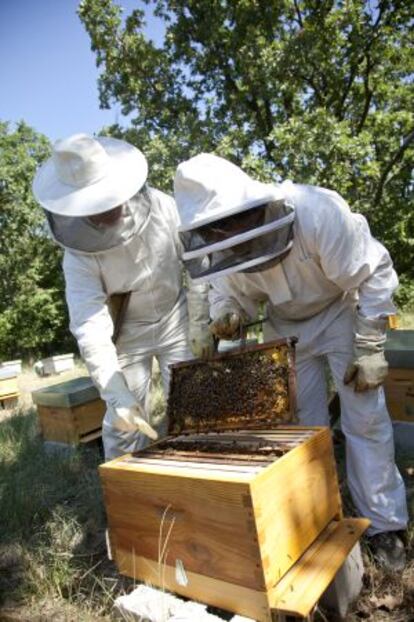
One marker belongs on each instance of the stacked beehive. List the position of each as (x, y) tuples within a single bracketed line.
[(236, 508), (70, 412)]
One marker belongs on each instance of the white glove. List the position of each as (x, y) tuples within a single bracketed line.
[(201, 341), (368, 368), (130, 420), (229, 325)]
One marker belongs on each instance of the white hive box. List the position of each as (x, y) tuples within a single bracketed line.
[(58, 364), (11, 366)]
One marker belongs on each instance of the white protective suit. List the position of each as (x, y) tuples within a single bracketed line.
[(334, 264), (156, 320)]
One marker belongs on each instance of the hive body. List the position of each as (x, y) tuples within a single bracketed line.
[(221, 511), (70, 412)]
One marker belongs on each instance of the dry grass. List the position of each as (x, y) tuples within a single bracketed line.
[(53, 563), (385, 597)]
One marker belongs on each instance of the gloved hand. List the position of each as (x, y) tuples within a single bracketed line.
[(130, 420), (201, 341), (228, 326), (368, 368)]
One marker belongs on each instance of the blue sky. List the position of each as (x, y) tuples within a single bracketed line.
[(48, 75)]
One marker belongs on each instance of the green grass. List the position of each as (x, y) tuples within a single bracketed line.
[(53, 562), (52, 526), (53, 557)]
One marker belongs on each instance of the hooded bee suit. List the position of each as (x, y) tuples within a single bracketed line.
[(319, 272), (140, 253)]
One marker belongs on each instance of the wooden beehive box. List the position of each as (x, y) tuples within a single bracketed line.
[(58, 364), (233, 507), (14, 366), (399, 384), (70, 412), (9, 390)]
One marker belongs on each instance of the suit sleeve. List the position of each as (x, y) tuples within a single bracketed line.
[(92, 326), (352, 258), (197, 294)]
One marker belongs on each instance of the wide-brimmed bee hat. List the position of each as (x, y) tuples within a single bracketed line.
[(89, 175)]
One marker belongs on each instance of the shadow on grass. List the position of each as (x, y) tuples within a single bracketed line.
[(52, 523)]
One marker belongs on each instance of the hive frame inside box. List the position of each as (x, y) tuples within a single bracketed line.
[(256, 535)]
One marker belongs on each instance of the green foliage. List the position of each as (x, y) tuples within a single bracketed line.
[(404, 296), (319, 92), (33, 317)]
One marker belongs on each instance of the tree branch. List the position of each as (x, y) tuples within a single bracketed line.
[(354, 69), (383, 179), (298, 13), (368, 96)]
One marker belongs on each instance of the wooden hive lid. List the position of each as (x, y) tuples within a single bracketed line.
[(251, 387), (67, 394)]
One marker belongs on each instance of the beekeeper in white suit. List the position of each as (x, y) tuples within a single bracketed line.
[(120, 236), (325, 280)]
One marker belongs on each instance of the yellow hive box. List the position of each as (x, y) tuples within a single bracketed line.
[(399, 394), (8, 388), (237, 508), (70, 412)]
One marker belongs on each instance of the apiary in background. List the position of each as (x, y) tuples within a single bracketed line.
[(229, 508)]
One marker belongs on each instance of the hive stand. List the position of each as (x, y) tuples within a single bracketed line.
[(153, 605)]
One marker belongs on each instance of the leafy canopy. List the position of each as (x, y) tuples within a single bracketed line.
[(312, 90), (33, 316)]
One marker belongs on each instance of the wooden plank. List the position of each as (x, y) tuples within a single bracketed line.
[(210, 466), (92, 436), (300, 589), (129, 463), (57, 424), (69, 425), (401, 373), (293, 501), (213, 531), (239, 600), (8, 396), (89, 416), (398, 395)]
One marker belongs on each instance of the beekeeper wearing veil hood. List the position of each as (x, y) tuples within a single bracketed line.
[(120, 240), (324, 279)]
